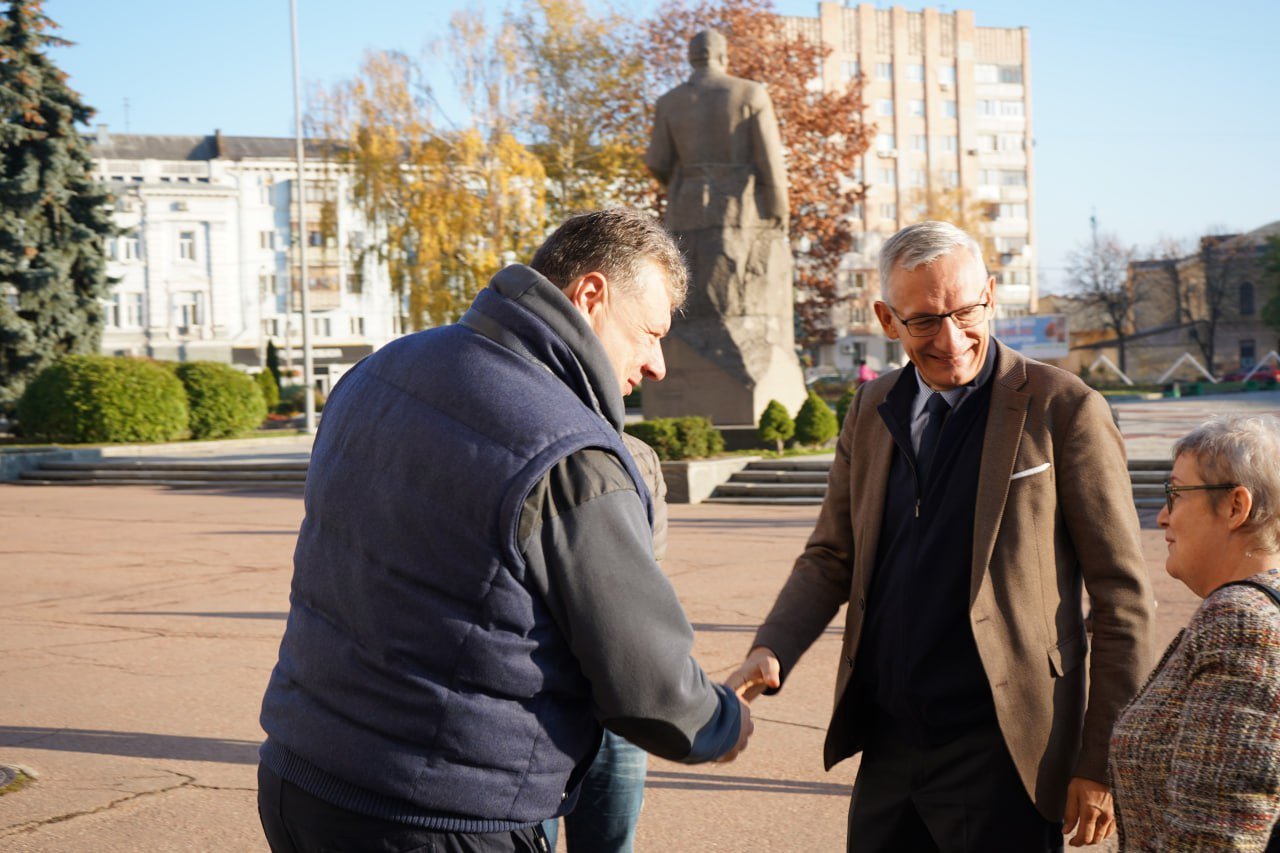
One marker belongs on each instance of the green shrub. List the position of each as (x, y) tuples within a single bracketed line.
[(679, 438), (270, 390), (815, 422), (223, 401), (94, 398), (843, 405), (292, 401), (775, 424)]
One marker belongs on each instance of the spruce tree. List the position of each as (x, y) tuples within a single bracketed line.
[(54, 217)]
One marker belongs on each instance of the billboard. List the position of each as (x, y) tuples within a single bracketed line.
[(1037, 336)]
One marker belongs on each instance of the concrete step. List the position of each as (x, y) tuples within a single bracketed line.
[(193, 465), (799, 463), (750, 475), (145, 475), (771, 490), (293, 485), (714, 499)]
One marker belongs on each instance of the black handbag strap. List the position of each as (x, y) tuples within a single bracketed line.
[(1275, 596)]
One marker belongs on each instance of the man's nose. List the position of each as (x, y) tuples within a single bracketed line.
[(655, 366), (950, 337)]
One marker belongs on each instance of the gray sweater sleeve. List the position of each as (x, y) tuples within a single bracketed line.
[(589, 551)]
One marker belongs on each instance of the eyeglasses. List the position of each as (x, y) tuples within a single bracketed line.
[(928, 325), (1171, 491)]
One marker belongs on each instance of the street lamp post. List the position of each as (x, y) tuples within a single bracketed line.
[(308, 367)]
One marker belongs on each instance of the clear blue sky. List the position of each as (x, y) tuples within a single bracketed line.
[(1162, 117)]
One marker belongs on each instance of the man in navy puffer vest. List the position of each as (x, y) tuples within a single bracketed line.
[(474, 589)]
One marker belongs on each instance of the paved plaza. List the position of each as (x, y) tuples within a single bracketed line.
[(141, 624)]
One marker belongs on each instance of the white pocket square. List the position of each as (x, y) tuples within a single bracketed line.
[(1030, 471)]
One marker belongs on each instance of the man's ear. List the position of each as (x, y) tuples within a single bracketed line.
[(588, 293), (885, 316)]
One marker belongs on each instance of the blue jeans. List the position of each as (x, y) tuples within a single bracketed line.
[(604, 821)]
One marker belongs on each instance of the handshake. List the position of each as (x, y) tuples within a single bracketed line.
[(759, 672)]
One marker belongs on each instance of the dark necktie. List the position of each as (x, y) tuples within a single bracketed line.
[(938, 407)]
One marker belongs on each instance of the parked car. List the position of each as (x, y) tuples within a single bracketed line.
[(1265, 373)]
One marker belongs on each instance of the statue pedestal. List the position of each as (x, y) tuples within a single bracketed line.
[(697, 384)]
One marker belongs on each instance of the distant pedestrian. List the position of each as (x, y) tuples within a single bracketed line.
[(865, 373)]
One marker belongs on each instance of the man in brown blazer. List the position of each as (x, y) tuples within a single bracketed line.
[(974, 494)]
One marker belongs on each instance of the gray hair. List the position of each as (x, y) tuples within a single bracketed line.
[(615, 242), (923, 243), (1242, 449)]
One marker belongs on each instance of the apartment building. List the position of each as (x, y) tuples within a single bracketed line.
[(206, 266), (951, 102)]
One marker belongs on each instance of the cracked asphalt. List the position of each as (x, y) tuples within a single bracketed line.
[(140, 625)]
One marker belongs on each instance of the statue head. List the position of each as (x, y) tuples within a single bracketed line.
[(708, 49)]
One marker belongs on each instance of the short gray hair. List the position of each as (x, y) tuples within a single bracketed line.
[(923, 243), (1242, 449)]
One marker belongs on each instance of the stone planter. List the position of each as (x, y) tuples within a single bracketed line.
[(691, 481)]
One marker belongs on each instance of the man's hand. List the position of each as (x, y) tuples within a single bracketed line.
[(1090, 805), (745, 728), (759, 671)]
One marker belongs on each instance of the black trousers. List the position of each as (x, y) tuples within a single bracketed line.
[(296, 822), (962, 797)]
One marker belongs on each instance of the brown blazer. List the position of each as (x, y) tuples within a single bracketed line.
[(1054, 512)]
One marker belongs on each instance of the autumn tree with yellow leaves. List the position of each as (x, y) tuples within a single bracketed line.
[(446, 207)]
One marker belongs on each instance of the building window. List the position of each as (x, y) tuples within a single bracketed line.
[(187, 245), (950, 144), (986, 142), (886, 142), (1012, 142), (315, 239), (989, 178), (947, 75), (1013, 211), (1248, 354), (857, 210), (915, 73), (893, 353), (918, 178), (889, 177), (915, 107), (919, 142), (949, 109), (322, 327), (1012, 109), (188, 309), (271, 327), (851, 69), (985, 108), (884, 107), (1013, 178), (984, 73), (951, 177), (1246, 300), (266, 239), (266, 284), (858, 314), (884, 71), (357, 326), (889, 210), (127, 247), (1010, 73)]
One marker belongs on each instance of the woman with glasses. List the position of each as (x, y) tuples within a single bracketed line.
[(1195, 758)]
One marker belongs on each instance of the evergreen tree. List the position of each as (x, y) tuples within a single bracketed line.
[(53, 215), (815, 422), (776, 425), (273, 363)]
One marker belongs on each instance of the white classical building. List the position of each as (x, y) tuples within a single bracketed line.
[(204, 270)]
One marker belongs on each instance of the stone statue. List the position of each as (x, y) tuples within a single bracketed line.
[(716, 146)]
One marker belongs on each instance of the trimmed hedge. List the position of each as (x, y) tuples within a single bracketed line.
[(815, 422), (679, 438), (844, 404), (293, 402), (94, 398), (224, 402)]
